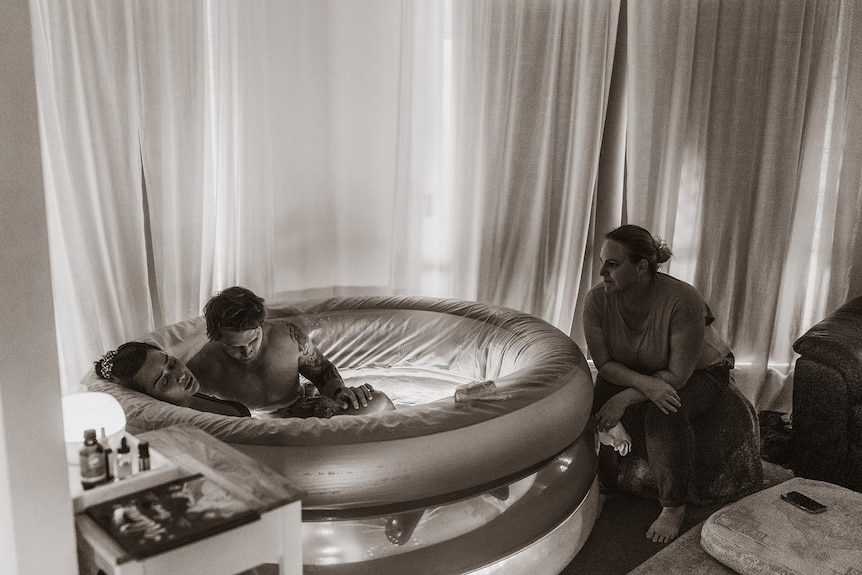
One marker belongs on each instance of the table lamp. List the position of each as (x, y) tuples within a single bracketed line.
[(91, 410)]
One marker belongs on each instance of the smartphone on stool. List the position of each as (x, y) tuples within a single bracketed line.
[(803, 502)]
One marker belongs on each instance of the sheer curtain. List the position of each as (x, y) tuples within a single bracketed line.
[(470, 148), (742, 151), (532, 81), (223, 143), (92, 169), (308, 148)]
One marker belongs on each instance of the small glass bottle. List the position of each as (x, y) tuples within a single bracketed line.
[(110, 458), (474, 390), (91, 456), (143, 456), (124, 460)]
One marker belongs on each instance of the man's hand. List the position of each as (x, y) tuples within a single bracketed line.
[(347, 396), (663, 395)]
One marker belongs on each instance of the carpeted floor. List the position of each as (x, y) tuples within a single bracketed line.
[(618, 544)]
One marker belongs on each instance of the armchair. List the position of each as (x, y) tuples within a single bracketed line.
[(826, 441)]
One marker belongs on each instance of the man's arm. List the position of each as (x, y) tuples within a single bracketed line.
[(314, 366), (325, 377)]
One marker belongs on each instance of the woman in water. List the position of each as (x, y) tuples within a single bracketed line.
[(148, 369)]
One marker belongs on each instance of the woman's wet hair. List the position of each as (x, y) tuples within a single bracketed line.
[(233, 309), (641, 245), (122, 365)]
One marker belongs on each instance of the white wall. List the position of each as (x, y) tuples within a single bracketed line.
[(36, 521)]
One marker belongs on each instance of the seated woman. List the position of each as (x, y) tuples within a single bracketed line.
[(148, 369), (661, 365)]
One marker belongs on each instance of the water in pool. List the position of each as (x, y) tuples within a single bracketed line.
[(407, 386)]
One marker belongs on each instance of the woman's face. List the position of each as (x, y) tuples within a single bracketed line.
[(166, 378), (617, 271)]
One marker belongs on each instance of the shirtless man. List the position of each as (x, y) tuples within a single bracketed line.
[(257, 361)]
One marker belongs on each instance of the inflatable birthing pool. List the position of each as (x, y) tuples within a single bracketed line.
[(500, 480)]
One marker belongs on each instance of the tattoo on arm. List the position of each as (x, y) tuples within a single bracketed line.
[(314, 366)]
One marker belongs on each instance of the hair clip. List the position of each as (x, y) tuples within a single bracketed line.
[(106, 364)]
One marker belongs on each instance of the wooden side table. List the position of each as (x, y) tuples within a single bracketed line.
[(276, 538)]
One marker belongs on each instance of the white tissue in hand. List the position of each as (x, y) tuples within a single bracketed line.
[(618, 438)]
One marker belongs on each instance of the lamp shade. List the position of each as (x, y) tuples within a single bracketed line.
[(91, 410)]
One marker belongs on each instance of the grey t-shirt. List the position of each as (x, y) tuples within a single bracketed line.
[(646, 349)]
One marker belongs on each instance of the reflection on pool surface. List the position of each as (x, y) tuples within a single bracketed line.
[(375, 537), (379, 539), (407, 386)]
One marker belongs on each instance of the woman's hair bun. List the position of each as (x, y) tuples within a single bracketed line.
[(662, 251)]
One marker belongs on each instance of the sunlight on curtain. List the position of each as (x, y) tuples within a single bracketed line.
[(424, 154), (169, 70), (92, 170), (532, 82), (661, 44), (336, 212), (223, 144), (730, 150), (841, 174), (466, 148)]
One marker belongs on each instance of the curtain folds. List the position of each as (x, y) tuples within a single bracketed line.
[(220, 144), (92, 166), (532, 81), (732, 106), (842, 174), (421, 223), (475, 149), (169, 72)]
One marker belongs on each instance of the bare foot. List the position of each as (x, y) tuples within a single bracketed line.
[(618, 438), (666, 527), (604, 497)]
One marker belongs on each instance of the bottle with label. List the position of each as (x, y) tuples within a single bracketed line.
[(92, 459), (124, 460)]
